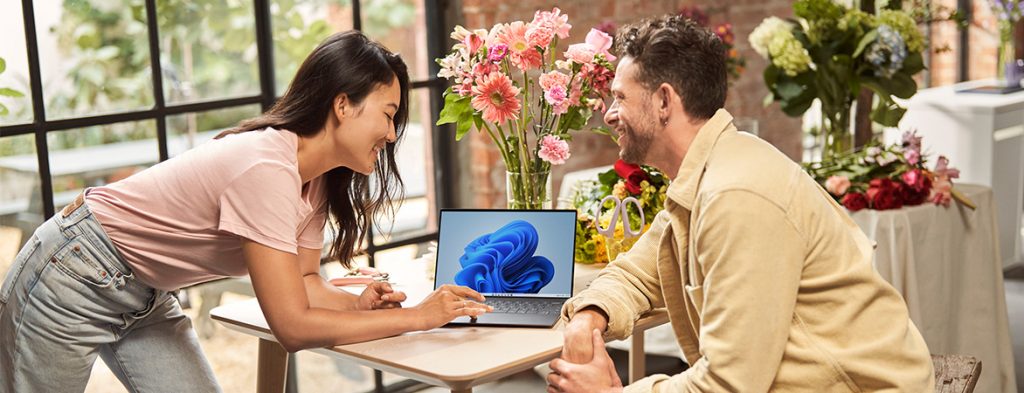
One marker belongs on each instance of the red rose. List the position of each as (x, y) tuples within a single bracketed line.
[(884, 194), (633, 174), (855, 201), (915, 188)]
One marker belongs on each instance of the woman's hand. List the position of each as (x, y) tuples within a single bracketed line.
[(380, 295), (449, 302)]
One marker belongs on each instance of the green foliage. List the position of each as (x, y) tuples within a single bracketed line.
[(6, 91), (840, 54)]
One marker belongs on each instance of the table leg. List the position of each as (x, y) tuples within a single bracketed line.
[(468, 390), (637, 357), (272, 367)]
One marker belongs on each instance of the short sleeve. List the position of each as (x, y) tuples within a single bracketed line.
[(261, 204)]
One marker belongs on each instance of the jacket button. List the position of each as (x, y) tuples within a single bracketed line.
[(78, 248), (53, 259)]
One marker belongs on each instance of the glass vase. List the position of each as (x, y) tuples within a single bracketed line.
[(528, 191), (836, 136), (1008, 68)]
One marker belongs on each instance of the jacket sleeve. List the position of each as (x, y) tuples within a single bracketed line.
[(628, 286), (751, 256)]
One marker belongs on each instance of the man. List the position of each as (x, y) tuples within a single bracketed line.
[(767, 281)]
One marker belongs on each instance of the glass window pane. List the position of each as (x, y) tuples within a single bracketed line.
[(298, 26), (189, 130), (401, 26), (95, 156), (94, 56), (15, 103), (416, 166), (21, 207), (207, 49)]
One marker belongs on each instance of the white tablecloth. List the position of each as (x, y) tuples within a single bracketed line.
[(946, 263)]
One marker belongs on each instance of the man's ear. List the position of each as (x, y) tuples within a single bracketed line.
[(665, 98)]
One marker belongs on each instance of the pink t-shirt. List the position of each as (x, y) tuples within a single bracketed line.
[(180, 222)]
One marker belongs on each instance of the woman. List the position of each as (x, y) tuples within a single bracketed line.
[(98, 277)]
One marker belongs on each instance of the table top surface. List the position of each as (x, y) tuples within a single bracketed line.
[(458, 357)]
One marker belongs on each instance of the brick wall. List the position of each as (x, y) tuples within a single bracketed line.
[(484, 186)]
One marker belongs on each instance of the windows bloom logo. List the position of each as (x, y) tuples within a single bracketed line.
[(503, 261)]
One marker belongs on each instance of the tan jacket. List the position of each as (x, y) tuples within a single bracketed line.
[(767, 281)]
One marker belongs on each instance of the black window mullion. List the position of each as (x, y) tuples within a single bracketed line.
[(38, 108), (265, 50), (444, 165), (158, 80), (357, 16)]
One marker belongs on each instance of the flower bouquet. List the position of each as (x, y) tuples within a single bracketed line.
[(508, 83), (644, 183), (887, 177), (829, 52)]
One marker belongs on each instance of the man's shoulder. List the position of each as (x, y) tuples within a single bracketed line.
[(743, 162)]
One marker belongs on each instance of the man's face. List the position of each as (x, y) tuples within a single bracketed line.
[(631, 114)]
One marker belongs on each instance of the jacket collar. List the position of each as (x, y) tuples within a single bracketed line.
[(683, 189)]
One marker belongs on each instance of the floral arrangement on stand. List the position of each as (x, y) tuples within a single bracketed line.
[(644, 183), (508, 83), (828, 52), (888, 177)]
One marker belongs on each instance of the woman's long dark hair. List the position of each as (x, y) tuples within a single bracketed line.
[(352, 64)]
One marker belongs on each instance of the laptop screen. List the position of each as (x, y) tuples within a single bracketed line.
[(522, 253)]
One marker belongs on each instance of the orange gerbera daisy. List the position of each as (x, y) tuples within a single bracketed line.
[(521, 53), (495, 96)]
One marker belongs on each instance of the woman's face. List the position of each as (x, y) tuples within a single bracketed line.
[(367, 128)]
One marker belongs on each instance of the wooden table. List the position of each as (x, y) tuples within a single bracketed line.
[(456, 358)]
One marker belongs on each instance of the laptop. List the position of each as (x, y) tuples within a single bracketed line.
[(520, 260)]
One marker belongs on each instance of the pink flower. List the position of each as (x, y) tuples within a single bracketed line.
[(911, 140), (539, 35), (601, 42), (913, 157), (497, 52), (552, 79), (522, 54), (580, 53), (558, 99), (913, 178), (942, 191), (553, 150), (495, 96), (473, 42), (481, 69), (597, 105), (553, 20), (942, 169), (837, 185)]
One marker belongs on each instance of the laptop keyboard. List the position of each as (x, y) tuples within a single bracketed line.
[(525, 306)]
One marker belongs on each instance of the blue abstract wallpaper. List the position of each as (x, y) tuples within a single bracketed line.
[(504, 262)]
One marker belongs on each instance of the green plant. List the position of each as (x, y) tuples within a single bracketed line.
[(6, 91), (828, 52)]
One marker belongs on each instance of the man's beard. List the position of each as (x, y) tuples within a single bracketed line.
[(637, 143)]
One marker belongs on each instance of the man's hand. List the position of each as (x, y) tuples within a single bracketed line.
[(380, 295), (597, 375), (578, 346)]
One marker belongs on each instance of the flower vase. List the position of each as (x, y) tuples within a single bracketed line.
[(528, 191), (1009, 68), (619, 244), (836, 136)]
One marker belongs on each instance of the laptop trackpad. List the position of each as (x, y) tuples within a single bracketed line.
[(502, 319)]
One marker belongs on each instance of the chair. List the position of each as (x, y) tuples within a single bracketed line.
[(956, 373)]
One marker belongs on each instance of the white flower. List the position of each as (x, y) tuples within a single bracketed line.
[(762, 35)]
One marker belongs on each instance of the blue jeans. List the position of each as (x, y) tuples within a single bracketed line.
[(69, 296)]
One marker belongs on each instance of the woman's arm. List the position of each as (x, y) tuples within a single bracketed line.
[(282, 293), (322, 294)]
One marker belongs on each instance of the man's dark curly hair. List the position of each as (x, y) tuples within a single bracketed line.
[(677, 51)]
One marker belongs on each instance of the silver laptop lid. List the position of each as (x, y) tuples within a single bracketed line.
[(507, 253)]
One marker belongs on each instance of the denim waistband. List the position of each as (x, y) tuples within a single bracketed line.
[(80, 221)]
